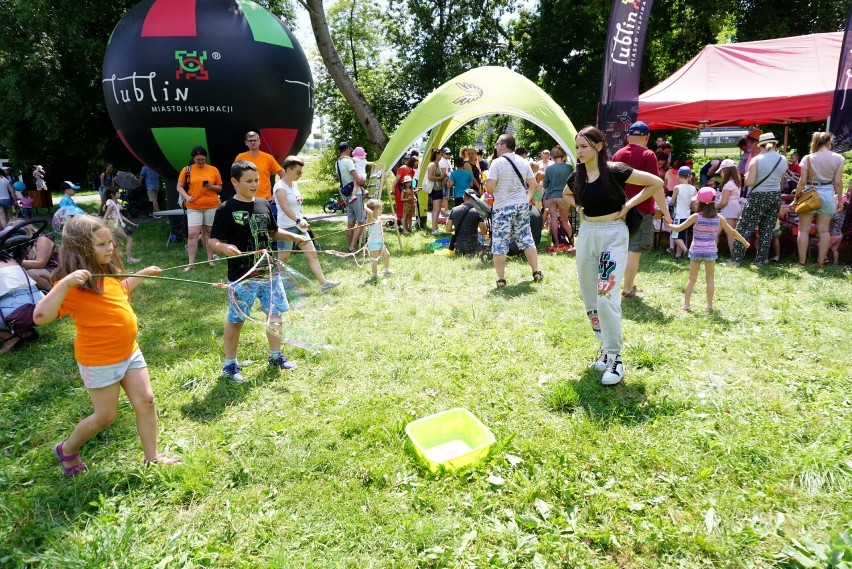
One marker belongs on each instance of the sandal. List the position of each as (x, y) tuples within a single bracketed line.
[(69, 470), (501, 283), (537, 276), (162, 459), (632, 293)]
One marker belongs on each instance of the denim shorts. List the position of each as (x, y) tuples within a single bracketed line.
[(703, 256), (290, 245), (511, 223), (96, 377), (826, 196), (270, 293), (6, 204)]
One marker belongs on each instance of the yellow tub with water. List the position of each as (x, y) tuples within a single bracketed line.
[(452, 439)]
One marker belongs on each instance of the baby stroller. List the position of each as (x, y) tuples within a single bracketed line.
[(134, 200), (17, 314), (484, 210)]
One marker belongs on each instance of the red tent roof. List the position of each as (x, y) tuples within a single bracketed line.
[(759, 82)]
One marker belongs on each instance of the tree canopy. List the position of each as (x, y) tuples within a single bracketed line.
[(391, 56)]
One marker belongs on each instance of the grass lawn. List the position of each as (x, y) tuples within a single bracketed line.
[(728, 442)]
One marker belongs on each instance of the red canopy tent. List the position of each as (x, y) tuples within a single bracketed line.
[(761, 82)]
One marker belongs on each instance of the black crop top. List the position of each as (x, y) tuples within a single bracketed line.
[(595, 199)]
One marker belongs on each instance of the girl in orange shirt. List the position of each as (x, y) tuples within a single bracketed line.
[(105, 344)]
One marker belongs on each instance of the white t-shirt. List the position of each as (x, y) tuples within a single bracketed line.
[(444, 164), (509, 189), (685, 193), (360, 166), (293, 198), (5, 189)]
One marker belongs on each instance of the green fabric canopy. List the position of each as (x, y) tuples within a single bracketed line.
[(476, 93)]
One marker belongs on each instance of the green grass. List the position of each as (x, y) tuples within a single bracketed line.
[(728, 443)]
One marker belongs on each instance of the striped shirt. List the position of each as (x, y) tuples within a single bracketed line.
[(704, 235)]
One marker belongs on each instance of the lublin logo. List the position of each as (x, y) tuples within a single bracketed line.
[(191, 65)]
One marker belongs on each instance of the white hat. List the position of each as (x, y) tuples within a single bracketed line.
[(726, 163)]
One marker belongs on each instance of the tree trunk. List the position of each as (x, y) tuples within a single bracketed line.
[(341, 76)]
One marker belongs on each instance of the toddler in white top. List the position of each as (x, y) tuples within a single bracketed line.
[(359, 158)]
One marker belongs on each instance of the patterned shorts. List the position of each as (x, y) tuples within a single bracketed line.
[(511, 223), (266, 291)]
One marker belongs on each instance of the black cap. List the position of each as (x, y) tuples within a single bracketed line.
[(343, 146)]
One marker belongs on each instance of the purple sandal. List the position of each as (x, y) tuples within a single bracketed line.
[(69, 470)]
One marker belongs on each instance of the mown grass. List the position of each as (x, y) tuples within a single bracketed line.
[(729, 438)]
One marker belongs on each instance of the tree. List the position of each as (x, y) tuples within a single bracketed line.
[(341, 76), (53, 108), (439, 39)]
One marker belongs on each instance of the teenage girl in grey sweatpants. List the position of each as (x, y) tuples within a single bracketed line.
[(598, 189)]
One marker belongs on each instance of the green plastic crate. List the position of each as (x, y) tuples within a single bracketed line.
[(452, 439)]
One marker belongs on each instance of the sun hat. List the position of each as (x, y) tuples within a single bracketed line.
[(726, 163), (684, 171), (639, 128), (767, 138), (359, 152)]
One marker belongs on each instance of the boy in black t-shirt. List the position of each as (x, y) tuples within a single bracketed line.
[(244, 223)]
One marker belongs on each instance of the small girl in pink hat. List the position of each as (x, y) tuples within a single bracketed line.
[(359, 157), (707, 224)]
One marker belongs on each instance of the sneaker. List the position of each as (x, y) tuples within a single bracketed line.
[(387, 272), (436, 232), (328, 285), (614, 372), (232, 372), (600, 363), (282, 362)]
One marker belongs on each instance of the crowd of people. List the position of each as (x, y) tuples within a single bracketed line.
[(617, 201)]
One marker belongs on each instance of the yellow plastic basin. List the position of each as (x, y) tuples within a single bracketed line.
[(452, 439)]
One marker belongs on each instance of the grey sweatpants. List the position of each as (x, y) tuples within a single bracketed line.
[(601, 257)]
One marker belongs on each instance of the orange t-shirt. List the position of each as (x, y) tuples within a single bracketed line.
[(106, 324), (266, 166), (202, 198)]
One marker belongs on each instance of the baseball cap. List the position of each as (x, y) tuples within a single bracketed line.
[(343, 146), (684, 171), (706, 195), (639, 128), (406, 180), (755, 134), (446, 151), (471, 192), (68, 184), (727, 163)]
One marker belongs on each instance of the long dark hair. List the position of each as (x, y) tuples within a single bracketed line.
[(614, 190)]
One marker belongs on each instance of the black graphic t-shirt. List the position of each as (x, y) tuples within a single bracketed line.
[(247, 225)]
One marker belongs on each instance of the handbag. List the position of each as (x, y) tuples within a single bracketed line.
[(20, 320), (806, 201)]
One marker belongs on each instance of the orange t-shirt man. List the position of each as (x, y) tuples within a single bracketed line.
[(266, 166), (202, 198), (106, 324)]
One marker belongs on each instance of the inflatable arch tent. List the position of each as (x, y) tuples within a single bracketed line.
[(477, 93)]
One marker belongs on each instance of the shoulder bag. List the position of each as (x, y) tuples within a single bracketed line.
[(346, 190), (807, 201)]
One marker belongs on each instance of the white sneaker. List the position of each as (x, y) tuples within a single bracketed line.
[(600, 363), (614, 372), (436, 232), (388, 272), (328, 285)]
